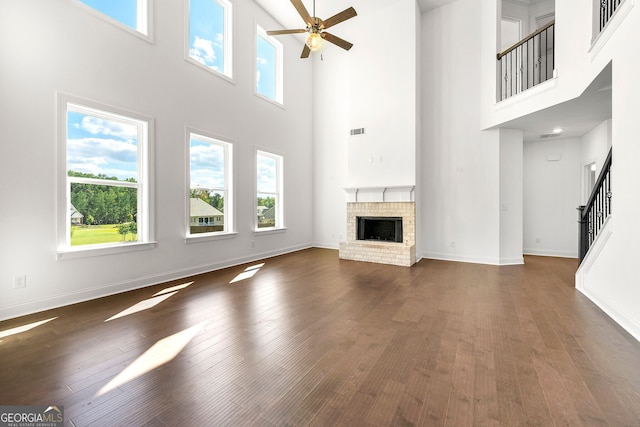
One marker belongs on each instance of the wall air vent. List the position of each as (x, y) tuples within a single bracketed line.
[(357, 131)]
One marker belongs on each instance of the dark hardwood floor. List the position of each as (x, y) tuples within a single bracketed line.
[(313, 340)]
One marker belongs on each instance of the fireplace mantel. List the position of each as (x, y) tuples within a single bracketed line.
[(400, 193)]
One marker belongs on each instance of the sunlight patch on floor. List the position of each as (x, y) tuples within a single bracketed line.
[(160, 353), (142, 305), (248, 273), (24, 328), (172, 289)]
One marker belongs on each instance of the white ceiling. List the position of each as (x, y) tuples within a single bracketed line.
[(284, 12)]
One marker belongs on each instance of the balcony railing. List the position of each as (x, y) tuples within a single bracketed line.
[(593, 214), (527, 63), (607, 9)]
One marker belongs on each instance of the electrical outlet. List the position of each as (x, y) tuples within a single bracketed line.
[(453, 244), (538, 240), (19, 282)]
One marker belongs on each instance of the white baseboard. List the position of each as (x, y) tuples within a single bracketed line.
[(619, 316), (326, 245), (582, 283), (35, 306), (461, 258), (551, 253), (473, 260)]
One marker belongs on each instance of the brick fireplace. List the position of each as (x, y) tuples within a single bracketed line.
[(393, 203)]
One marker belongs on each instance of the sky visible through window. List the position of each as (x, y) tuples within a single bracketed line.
[(266, 68), (124, 11), (207, 165), (206, 33), (266, 174), (99, 146)]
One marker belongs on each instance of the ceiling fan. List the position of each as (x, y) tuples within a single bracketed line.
[(316, 28)]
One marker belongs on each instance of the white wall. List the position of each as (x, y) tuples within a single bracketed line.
[(55, 45), (331, 138), (460, 184), (552, 186), (372, 86), (511, 197), (382, 93)]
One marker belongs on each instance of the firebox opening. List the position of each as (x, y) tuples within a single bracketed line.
[(387, 229)]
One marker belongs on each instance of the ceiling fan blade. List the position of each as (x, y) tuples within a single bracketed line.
[(338, 18), (302, 11), (305, 51), (279, 32), (336, 40)]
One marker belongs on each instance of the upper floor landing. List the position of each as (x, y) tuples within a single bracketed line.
[(548, 53)]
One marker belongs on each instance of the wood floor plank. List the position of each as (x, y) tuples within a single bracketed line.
[(314, 340)]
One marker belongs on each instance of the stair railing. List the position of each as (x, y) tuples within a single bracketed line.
[(593, 214), (527, 63), (607, 9)]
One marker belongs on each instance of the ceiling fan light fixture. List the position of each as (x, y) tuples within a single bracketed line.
[(314, 41)]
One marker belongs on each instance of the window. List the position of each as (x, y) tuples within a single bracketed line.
[(210, 204), (269, 202), (104, 194), (129, 14), (268, 66), (209, 37)]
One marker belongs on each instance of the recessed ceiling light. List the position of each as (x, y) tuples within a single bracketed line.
[(558, 130)]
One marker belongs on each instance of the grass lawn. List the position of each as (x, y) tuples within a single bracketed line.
[(97, 234)]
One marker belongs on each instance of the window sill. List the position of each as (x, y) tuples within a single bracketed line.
[(208, 237), (85, 252), (272, 230), (226, 77), (270, 100)]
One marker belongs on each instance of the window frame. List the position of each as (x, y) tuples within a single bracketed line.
[(144, 17), (229, 230), (279, 194), (279, 67), (227, 72), (145, 184)]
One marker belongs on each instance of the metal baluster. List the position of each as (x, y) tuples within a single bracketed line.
[(553, 48), (516, 73)]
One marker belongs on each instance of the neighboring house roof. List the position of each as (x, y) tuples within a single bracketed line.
[(74, 213), (200, 208), (261, 209), (269, 213)]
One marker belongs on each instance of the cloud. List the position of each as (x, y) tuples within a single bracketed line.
[(207, 165), (202, 51), (262, 60), (99, 126), (108, 156), (266, 174)]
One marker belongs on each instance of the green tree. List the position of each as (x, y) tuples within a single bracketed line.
[(106, 204), (268, 202), (124, 229)]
